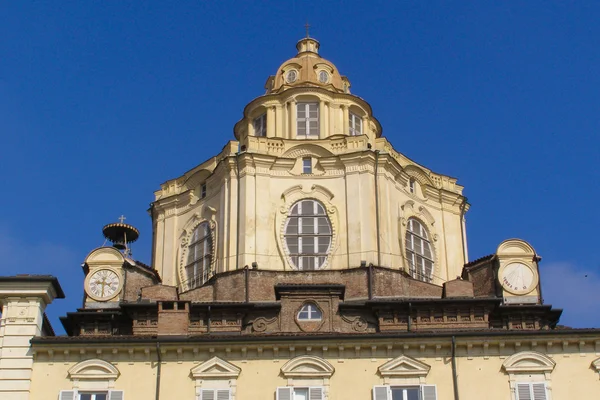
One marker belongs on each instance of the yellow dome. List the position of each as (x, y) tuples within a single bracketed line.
[(308, 69)]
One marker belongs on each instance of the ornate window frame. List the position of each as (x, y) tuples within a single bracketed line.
[(529, 367), (412, 210), (186, 234), (290, 197), (216, 374), (403, 371), (308, 372), (93, 374)]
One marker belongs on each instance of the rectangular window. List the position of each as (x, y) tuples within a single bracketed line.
[(307, 120), (300, 393), (214, 394), (411, 185), (307, 165), (260, 125), (88, 395), (414, 392), (203, 191), (531, 391), (355, 125)]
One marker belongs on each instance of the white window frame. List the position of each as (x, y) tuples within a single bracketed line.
[(76, 394), (199, 257), (288, 392), (529, 368), (314, 312), (319, 259), (411, 185), (260, 125), (384, 392), (418, 236), (306, 120), (355, 124), (307, 165), (93, 394)]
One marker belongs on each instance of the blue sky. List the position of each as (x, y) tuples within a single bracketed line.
[(100, 102)]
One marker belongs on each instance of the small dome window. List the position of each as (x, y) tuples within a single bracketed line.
[(291, 76), (310, 312), (323, 77)]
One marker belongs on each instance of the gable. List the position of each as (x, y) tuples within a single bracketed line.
[(404, 366), (215, 368)]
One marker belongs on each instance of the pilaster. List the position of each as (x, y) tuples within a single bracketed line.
[(23, 300)]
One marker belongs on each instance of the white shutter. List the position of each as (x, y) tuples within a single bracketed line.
[(524, 391), (223, 394), (428, 392), (284, 393), (315, 393), (207, 394), (381, 393), (67, 395), (539, 391), (116, 395)]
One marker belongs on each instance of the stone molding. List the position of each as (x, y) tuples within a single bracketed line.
[(95, 373), (403, 369)]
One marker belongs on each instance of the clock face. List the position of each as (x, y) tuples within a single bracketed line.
[(103, 284), (518, 278)]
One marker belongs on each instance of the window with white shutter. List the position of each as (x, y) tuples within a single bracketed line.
[(215, 394), (116, 395), (68, 395), (381, 393), (531, 391), (307, 119), (300, 393), (284, 393), (417, 392)]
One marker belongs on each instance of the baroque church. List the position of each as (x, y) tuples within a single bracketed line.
[(308, 260)]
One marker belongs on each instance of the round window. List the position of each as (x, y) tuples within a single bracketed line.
[(291, 76), (323, 76)]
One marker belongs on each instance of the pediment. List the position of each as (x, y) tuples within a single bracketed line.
[(108, 255), (215, 368), (528, 361), (93, 369), (307, 366), (404, 366)]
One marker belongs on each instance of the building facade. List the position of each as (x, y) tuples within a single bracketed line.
[(308, 260)]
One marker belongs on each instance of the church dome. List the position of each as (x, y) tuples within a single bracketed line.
[(307, 68)]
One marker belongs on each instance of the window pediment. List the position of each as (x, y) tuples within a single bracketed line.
[(215, 368), (307, 367), (94, 369), (528, 362), (596, 364), (404, 367)]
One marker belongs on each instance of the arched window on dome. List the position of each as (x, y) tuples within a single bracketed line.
[(308, 235), (200, 253), (419, 251)]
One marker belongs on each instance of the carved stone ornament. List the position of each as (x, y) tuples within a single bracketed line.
[(358, 323), (261, 324)]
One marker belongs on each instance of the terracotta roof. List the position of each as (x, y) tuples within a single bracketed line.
[(477, 261)]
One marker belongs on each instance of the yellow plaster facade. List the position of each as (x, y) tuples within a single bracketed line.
[(308, 260)]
